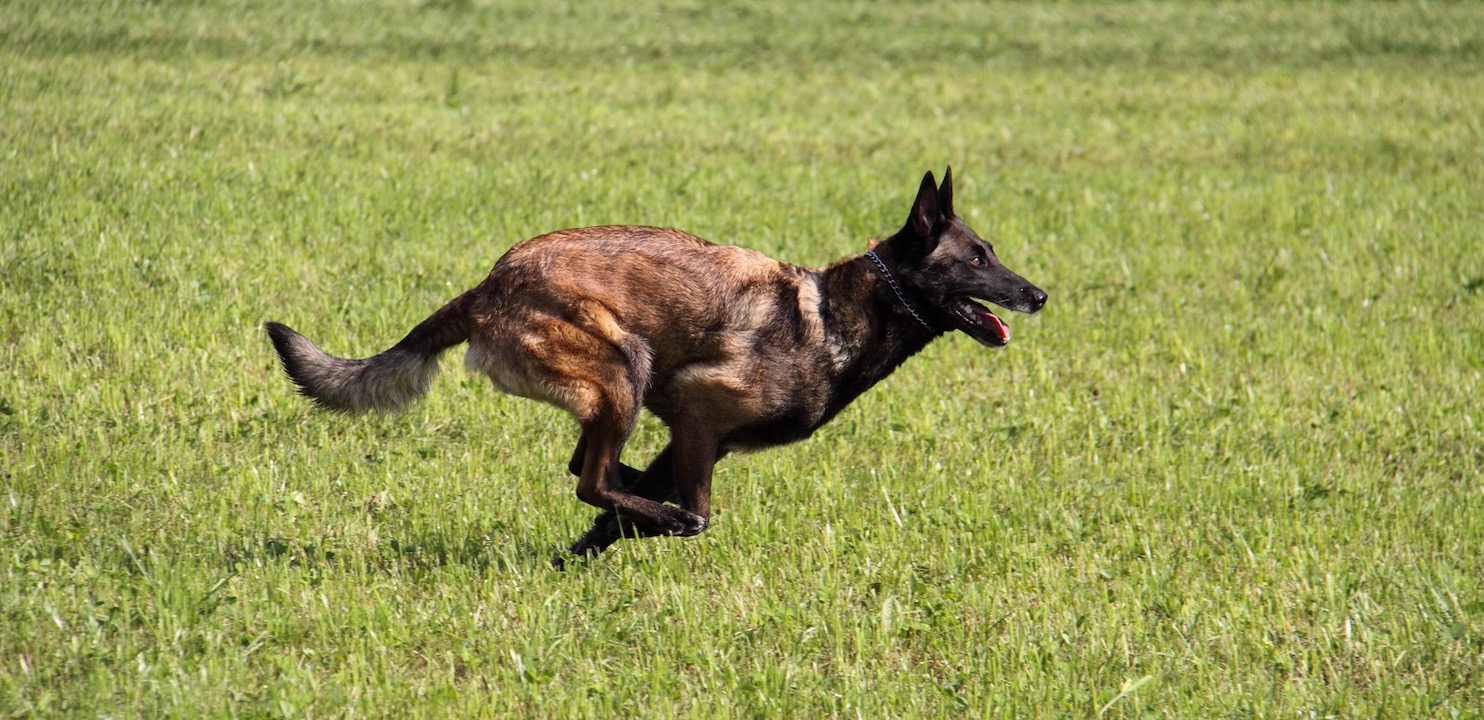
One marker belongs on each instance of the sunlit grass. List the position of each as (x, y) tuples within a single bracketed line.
[(1231, 470)]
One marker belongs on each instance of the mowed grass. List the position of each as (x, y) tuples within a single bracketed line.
[(1232, 470)]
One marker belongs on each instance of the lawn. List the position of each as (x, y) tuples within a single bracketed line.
[(1231, 470)]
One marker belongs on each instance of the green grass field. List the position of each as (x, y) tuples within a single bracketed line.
[(1232, 470)]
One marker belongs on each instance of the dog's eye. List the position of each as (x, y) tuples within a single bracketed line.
[(977, 261)]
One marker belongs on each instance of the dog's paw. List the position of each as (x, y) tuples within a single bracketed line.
[(687, 523), (673, 522)]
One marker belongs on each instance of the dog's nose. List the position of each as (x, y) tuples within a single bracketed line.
[(1037, 296)]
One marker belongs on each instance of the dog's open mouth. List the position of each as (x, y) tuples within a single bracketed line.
[(979, 323)]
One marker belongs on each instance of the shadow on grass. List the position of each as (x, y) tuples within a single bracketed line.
[(478, 550)]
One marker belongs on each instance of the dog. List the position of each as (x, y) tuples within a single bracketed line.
[(732, 350)]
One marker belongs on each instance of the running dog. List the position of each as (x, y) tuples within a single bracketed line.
[(734, 351)]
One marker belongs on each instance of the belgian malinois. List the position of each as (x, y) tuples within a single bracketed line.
[(731, 349)]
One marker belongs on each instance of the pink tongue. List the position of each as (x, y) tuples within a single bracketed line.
[(990, 320)]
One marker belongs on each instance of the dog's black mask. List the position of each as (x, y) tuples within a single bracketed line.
[(947, 266)]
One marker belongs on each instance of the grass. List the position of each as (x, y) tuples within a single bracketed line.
[(1232, 470)]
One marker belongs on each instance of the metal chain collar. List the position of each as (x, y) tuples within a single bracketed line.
[(895, 288)]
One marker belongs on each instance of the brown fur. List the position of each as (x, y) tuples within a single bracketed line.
[(731, 349)]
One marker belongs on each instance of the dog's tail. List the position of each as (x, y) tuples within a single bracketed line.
[(385, 382)]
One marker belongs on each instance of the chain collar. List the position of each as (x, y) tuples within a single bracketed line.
[(895, 288)]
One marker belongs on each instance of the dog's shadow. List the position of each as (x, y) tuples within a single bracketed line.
[(479, 550)]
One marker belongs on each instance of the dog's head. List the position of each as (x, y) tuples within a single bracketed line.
[(947, 266)]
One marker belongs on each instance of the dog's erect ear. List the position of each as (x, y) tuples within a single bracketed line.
[(926, 214), (945, 194)]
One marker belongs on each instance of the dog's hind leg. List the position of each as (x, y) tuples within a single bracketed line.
[(629, 476), (590, 366), (608, 413), (656, 482), (600, 486)]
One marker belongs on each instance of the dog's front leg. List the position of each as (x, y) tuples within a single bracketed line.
[(696, 453)]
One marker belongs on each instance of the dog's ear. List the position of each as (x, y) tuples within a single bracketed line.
[(945, 194), (926, 215)]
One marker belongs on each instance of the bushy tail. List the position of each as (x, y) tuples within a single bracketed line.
[(385, 382)]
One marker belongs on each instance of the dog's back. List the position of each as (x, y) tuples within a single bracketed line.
[(658, 281), (696, 317)]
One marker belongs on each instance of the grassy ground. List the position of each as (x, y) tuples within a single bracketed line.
[(1232, 470)]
